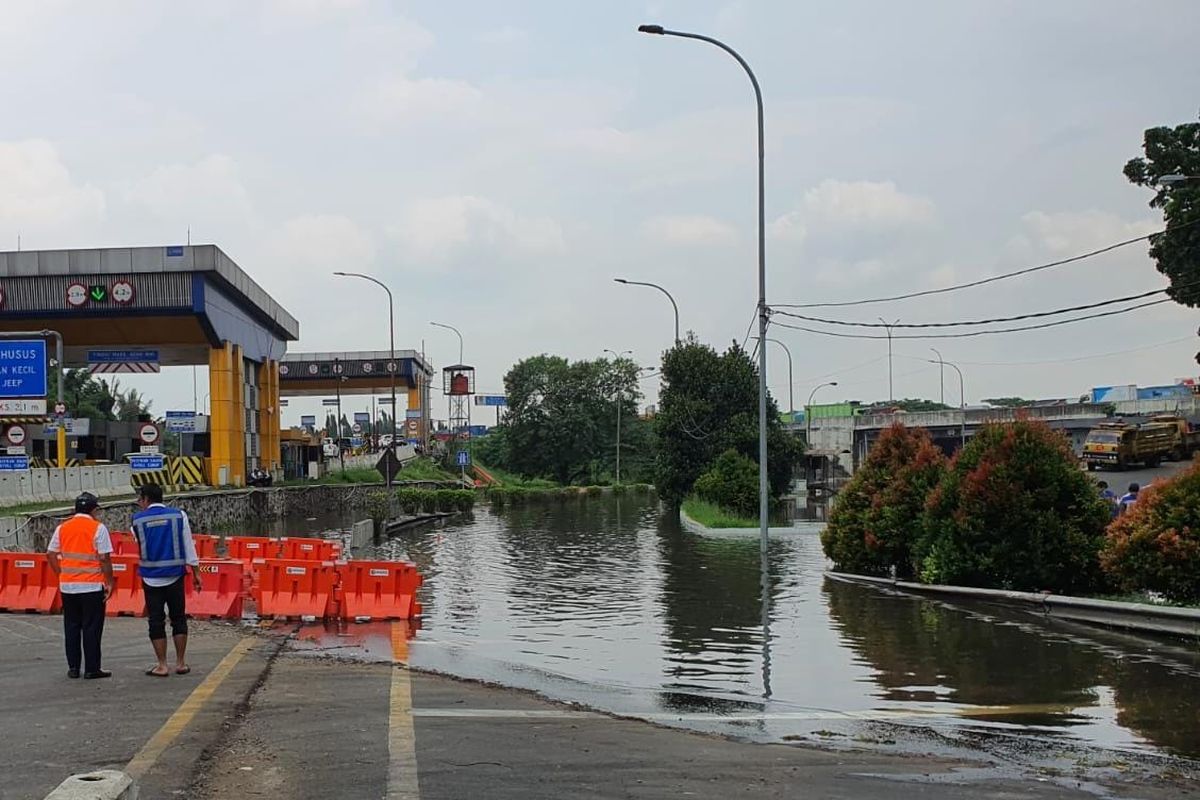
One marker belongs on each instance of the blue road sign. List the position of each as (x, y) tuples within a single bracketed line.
[(174, 251), (308, 420), (490, 400), (120, 356), (477, 430), (23, 368), (356, 441), (362, 416), (181, 421), (146, 462), (14, 463), (463, 458)]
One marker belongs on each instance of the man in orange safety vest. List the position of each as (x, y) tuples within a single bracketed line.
[(79, 553)]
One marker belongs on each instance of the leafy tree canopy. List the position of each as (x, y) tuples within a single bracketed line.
[(1007, 402), (1174, 151)]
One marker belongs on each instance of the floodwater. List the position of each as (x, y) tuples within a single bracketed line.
[(607, 602)]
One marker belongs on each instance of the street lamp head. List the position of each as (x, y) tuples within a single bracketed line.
[(620, 280), (833, 383), (655, 29), (340, 273), (1171, 180)]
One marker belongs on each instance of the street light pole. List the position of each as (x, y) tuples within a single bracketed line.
[(460, 339), (962, 396), (763, 311), (791, 384), (808, 413), (941, 374), (620, 397), (888, 326), (392, 365), (661, 289), (337, 375)]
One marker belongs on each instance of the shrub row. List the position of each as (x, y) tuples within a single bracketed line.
[(521, 495), (419, 501), (1012, 510)]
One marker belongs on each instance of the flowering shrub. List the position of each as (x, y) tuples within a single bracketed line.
[(731, 483), (877, 516), (1156, 544), (1014, 511)]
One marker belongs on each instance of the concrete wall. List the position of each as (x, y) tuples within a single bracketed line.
[(41, 485)]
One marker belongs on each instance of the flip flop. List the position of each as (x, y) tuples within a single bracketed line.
[(183, 671), (153, 674)]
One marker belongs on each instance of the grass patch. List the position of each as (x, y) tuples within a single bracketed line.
[(511, 479), (713, 516), (425, 469)]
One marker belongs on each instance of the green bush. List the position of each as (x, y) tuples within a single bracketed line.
[(731, 483), (1014, 511), (1155, 546), (620, 488), (874, 524), (428, 501)]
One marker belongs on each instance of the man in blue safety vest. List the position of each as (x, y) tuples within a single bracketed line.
[(1129, 499), (165, 543)]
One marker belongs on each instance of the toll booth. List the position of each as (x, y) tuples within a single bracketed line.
[(137, 309)]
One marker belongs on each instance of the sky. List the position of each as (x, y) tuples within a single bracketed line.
[(498, 164)]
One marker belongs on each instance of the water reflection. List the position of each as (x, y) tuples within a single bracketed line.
[(606, 601)]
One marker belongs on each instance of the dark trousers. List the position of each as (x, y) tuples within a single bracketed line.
[(83, 623), (164, 600)]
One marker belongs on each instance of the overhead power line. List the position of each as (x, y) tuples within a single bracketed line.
[(1070, 360), (963, 323), (967, 334), (992, 279)]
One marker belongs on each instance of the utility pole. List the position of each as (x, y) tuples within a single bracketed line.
[(338, 422), (941, 374), (888, 326)]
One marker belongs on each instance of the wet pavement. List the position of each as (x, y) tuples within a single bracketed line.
[(268, 713)]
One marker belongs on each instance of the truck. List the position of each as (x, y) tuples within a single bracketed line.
[(1187, 438), (1120, 444)]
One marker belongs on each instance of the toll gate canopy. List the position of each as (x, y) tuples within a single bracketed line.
[(175, 305)]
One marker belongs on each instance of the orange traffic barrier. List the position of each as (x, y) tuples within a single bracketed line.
[(307, 549), (124, 544), (250, 548), (127, 600), (379, 590), (294, 588), (27, 584), (221, 595), (206, 545)]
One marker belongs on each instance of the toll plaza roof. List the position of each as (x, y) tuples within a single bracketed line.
[(351, 372), (180, 299)]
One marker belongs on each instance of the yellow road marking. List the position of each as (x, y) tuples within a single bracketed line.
[(159, 742), (402, 740)]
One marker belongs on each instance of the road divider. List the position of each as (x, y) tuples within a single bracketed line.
[(28, 585)]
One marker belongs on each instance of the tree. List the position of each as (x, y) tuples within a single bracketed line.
[(86, 396), (875, 522), (1174, 151), (1007, 402), (1014, 511), (562, 416), (1155, 545), (130, 404), (731, 484), (709, 404)]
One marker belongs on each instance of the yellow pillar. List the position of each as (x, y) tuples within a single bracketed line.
[(268, 415), (414, 402), (227, 421)]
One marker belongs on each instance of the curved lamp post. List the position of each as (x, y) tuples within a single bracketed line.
[(674, 305)]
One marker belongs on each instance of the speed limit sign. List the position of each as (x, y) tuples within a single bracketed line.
[(16, 435), (148, 433)]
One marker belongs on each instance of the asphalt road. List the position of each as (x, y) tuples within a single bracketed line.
[(1119, 480), (273, 714)]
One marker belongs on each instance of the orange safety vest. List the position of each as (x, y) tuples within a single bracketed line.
[(77, 557)]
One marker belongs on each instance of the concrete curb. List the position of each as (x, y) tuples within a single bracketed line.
[(103, 784), (692, 526), (1108, 613)]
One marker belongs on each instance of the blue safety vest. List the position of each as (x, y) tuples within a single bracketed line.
[(159, 532)]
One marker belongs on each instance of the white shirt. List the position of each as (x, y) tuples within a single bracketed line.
[(189, 549), (103, 543)]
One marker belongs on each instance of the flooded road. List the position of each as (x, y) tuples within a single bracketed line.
[(607, 602)]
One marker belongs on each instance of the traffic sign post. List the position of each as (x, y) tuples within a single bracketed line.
[(148, 433), (145, 462), (14, 463), (181, 421), (16, 435), (23, 368)]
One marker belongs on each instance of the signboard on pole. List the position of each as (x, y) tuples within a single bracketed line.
[(490, 400), (462, 458), (33, 408), (329, 401), (412, 413), (356, 429), (74, 427), (181, 421), (148, 433), (308, 421), (23, 368), (143, 463), (137, 361), (362, 416), (16, 435)]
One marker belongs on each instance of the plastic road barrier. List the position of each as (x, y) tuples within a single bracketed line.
[(124, 544), (377, 590), (206, 545), (294, 588), (308, 549), (127, 600), (27, 584), (221, 595), (251, 548)]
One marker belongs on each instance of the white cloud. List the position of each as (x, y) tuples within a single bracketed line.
[(399, 100), (690, 229), (1073, 232), (439, 228), (310, 12), (207, 193), (37, 191), (838, 207), (319, 244), (507, 35)]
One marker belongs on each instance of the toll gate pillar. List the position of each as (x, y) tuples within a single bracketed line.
[(269, 415), (227, 423)]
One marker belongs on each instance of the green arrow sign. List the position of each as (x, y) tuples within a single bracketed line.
[(98, 294)]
